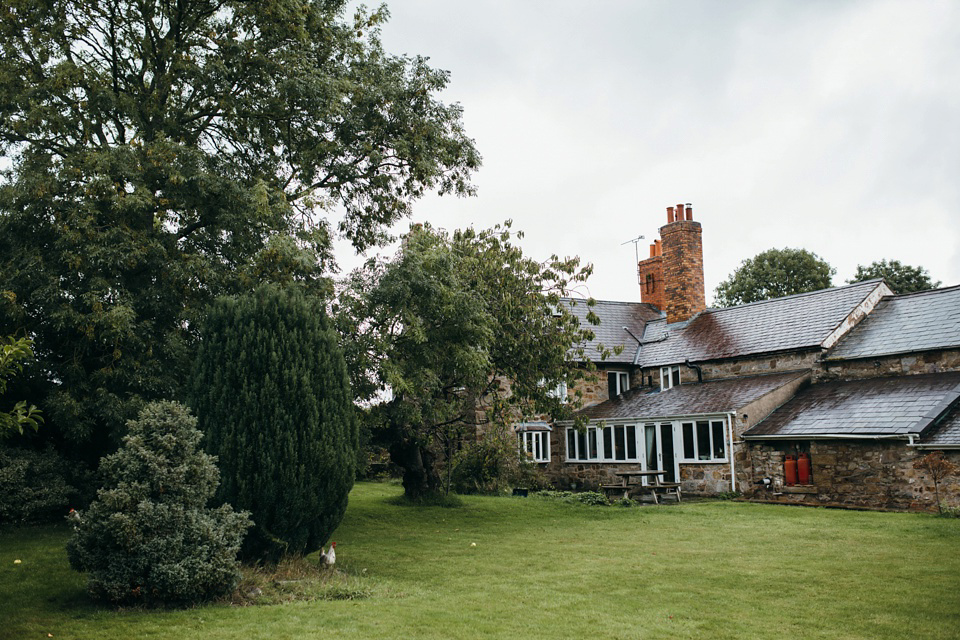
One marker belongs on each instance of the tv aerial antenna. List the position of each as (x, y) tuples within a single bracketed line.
[(636, 256)]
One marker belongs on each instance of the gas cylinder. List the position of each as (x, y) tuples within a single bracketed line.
[(803, 469), (790, 469)]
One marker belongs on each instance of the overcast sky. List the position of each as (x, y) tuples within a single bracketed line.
[(831, 126)]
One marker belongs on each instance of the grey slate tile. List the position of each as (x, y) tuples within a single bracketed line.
[(877, 406), (714, 396), (903, 324), (791, 323)]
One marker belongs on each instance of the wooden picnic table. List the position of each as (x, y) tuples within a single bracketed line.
[(658, 485)]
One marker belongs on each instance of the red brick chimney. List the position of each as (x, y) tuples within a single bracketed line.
[(671, 279)]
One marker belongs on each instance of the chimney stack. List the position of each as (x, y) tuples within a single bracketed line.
[(671, 279)]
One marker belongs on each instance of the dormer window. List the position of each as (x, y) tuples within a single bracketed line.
[(617, 383), (669, 377)]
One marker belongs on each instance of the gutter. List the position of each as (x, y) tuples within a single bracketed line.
[(646, 419), (829, 436)]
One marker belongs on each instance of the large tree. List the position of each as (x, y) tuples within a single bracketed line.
[(902, 278), (774, 273), (162, 153), (455, 331)]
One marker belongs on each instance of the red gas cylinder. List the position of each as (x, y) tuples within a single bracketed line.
[(790, 468), (803, 469)]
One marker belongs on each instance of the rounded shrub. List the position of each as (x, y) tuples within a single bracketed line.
[(272, 396), (149, 536)]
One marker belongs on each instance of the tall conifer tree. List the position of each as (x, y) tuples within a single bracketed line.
[(271, 392)]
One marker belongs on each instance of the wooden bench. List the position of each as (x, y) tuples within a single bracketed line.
[(617, 488), (667, 488), (655, 484)]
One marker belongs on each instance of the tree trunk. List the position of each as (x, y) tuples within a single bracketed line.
[(419, 475)]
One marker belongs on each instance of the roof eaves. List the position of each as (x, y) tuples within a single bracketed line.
[(872, 356), (827, 436), (932, 416)]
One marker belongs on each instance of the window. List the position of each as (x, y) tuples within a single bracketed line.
[(582, 445), (617, 383), (536, 444), (612, 443), (669, 377), (704, 441), (560, 392)]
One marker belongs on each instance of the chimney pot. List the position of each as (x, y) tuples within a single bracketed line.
[(689, 211), (669, 215)]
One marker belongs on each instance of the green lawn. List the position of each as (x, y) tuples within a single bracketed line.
[(543, 569)]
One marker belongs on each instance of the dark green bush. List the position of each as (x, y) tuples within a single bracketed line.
[(149, 536), (272, 397), (35, 486), (594, 498), (493, 463)]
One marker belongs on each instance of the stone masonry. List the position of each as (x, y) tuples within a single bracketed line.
[(848, 473), (683, 287)]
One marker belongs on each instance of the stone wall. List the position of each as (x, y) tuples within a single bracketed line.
[(776, 363), (910, 364), (847, 473), (593, 387), (705, 479)]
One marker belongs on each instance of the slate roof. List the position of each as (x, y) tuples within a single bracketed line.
[(903, 324), (946, 434), (794, 322), (614, 316), (714, 396), (894, 406)]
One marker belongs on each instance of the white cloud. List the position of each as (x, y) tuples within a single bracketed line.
[(824, 125)]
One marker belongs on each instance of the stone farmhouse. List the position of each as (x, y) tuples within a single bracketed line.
[(858, 381)]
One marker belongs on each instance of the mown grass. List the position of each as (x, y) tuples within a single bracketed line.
[(547, 569)]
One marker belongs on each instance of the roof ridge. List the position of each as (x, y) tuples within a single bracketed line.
[(924, 292), (873, 281), (623, 302)]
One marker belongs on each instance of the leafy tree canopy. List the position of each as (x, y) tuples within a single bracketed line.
[(455, 331), (13, 351), (902, 278), (162, 153), (773, 274)]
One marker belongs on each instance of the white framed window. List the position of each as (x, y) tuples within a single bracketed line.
[(559, 392), (703, 441), (617, 383), (609, 443), (535, 444), (669, 377)]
